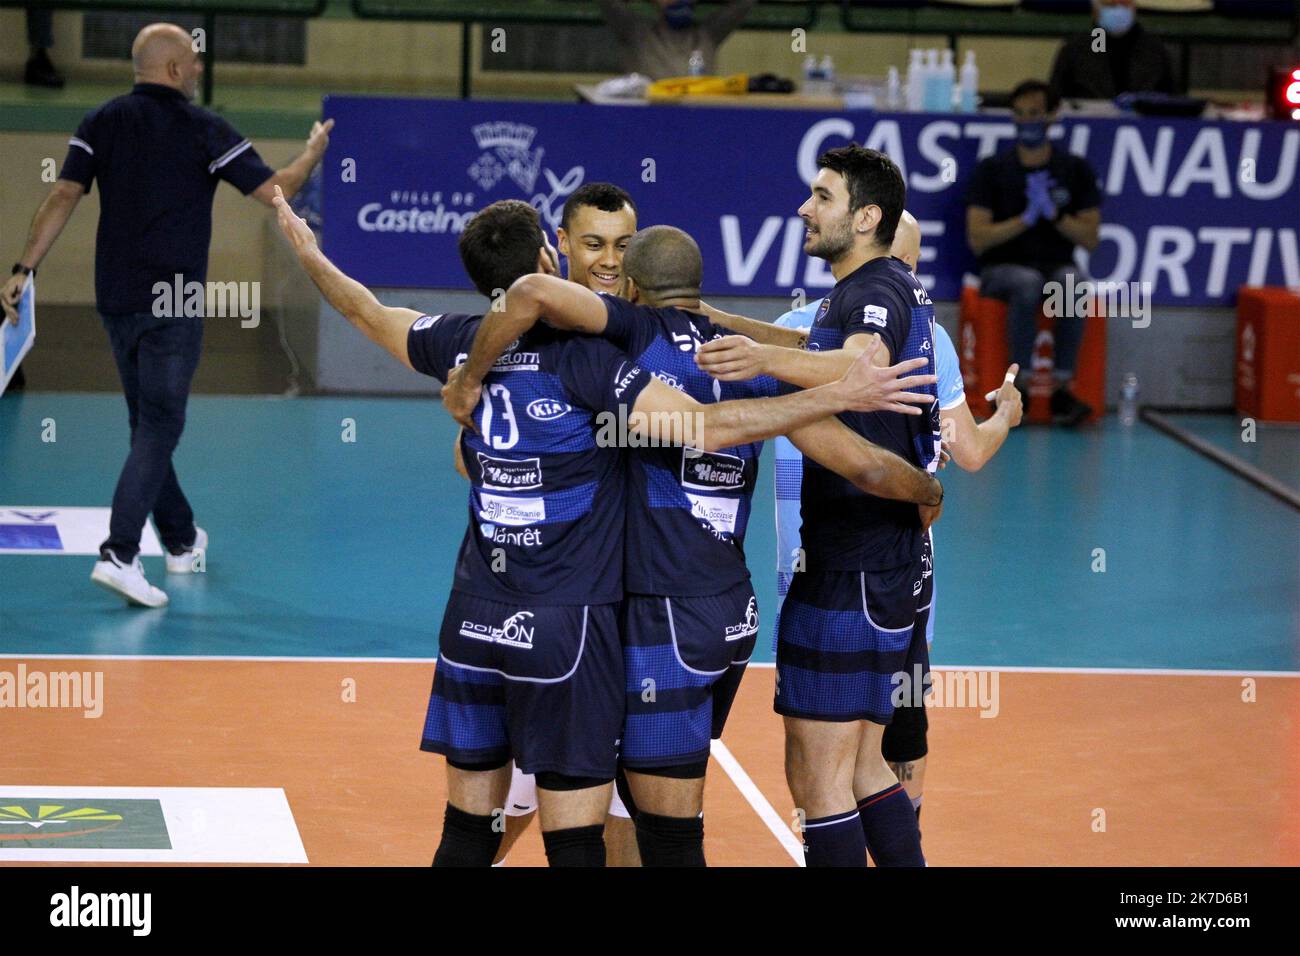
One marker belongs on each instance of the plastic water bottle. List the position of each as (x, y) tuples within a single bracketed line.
[(915, 80), (695, 65), (1128, 400), (970, 83), (932, 98), (947, 83), (810, 72), (828, 73), (893, 97)]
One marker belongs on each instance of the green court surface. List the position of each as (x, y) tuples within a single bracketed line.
[(1272, 448), (322, 547)]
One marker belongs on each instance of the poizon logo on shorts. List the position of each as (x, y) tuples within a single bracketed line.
[(512, 633), (746, 628)]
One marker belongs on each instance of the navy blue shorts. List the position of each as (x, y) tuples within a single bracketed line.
[(542, 685), (683, 658), (843, 638), (917, 665)]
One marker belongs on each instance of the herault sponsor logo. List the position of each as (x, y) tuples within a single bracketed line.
[(513, 632), (506, 474), (75, 908), (712, 471)]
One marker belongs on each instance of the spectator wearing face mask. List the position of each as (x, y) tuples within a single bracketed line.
[(662, 47), (1028, 209), (1121, 58)]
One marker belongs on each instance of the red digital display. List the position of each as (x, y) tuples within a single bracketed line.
[(1284, 93)]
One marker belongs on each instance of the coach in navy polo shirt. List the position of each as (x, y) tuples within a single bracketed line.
[(158, 159)]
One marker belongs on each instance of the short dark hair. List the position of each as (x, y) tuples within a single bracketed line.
[(664, 262), (500, 243), (873, 180), (1029, 87), (604, 196)]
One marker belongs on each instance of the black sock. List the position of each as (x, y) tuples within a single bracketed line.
[(467, 839), (891, 829), (836, 840), (670, 841), (576, 846)]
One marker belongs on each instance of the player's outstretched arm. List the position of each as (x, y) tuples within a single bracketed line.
[(768, 333), (674, 417), (563, 304), (291, 177), (386, 327), (736, 358), (871, 468), (48, 222)]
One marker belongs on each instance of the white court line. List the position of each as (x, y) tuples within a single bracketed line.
[(749, 790), (1135, 671), (1002, 668)]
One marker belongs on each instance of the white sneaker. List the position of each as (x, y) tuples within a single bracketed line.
[(183, 563), (127, 580)]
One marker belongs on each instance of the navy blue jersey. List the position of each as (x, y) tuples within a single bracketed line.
[(844, 528), (546, 504), (158, 159), (687, 509)]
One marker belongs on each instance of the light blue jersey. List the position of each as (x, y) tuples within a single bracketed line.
[(789, 462)]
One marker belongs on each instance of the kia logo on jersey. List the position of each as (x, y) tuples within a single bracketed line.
[(547, 409)]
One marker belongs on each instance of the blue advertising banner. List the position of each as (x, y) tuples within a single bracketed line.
[(1195, 208)]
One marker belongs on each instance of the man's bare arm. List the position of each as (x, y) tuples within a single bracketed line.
[(54, 212), (871, 468), (734, 359), (291, 177), (982, 233), (563, 304), (768, 333), (386, 327), (971, 444), (677, 418), (1083, 228)]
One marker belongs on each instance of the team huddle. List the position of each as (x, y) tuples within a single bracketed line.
[(601, 615)]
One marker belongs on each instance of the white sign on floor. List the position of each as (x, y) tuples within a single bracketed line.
[(148, 825), (49, 529)]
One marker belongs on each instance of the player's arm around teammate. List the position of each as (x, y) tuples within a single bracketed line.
[(573, 307)]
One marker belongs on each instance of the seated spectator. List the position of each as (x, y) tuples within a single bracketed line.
[(662, 47), (1123, 58), (1028, 208), (40, 70)]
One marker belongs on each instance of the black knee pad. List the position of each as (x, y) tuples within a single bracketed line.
[(905, 736), (549, 780), (468, 839), (680, 771), (478, 767), (670, 841)]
